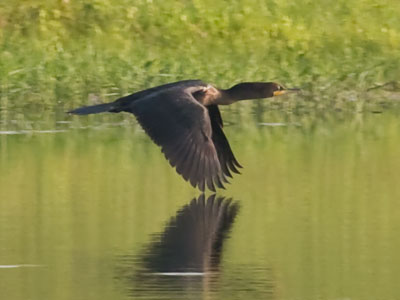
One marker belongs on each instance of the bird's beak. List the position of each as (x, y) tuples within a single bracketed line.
[(280, 92), (286, 91)]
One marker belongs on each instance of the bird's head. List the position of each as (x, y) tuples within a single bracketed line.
[(272, 89), (277, 89), (258, 90)]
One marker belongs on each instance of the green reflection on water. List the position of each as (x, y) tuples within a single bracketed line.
[(319, 206)]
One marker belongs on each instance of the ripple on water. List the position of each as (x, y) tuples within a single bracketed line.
[(19, 266), (14, 132)]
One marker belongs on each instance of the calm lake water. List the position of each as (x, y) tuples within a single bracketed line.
[(90, 209)]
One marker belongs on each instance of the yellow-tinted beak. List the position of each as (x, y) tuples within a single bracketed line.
[(286, 91), (280, 92)]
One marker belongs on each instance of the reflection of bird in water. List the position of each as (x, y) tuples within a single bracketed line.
[(193, 239), (184, 119), (184, 260)]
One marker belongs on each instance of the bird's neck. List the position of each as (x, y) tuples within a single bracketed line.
[(226, 97), (244, 91), (241, 91)]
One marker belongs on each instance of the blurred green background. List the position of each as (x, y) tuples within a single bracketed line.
[(62, 51), (319, 188)]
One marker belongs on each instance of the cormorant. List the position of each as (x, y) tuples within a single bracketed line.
[(183, 118)]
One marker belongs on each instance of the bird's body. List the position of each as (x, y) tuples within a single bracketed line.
[(183, 118)]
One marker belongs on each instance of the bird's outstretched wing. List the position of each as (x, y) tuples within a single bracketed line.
[(181, 126), (226, 157), (122, 104)]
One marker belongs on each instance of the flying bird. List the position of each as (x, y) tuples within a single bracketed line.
[(183, 118)]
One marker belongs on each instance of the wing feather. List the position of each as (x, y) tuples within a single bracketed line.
[(226, 157), (182, 127)]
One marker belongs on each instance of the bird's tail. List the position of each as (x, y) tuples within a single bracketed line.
[(94, 109)]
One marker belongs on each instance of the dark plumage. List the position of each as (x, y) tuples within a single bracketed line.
[(192, 240), (183, 118)]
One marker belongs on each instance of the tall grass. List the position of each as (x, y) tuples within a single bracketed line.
[(68, 52)]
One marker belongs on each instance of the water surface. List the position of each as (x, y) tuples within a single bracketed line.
[(84, 203)]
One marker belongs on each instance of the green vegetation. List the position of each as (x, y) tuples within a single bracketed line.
[(319, 202), (67, 52)]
